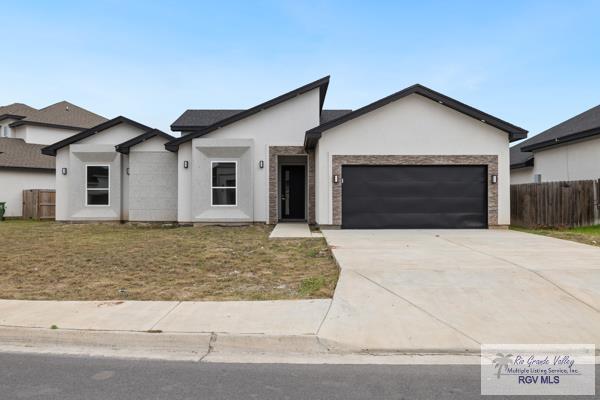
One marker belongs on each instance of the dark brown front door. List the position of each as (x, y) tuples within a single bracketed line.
[(293, 193)]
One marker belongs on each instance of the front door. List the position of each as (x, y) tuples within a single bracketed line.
[(293, 192)]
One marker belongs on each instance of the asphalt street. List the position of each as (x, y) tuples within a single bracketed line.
[(27, 376)]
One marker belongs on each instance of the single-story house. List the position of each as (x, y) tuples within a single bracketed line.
[(24, 130), (569, 151), (415, 159)]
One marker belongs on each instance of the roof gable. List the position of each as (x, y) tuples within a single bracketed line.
[(52, 149), (198, 131), (515, 133), (125, 146), (63, 115)]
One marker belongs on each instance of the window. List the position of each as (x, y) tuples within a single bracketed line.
[(5, 130), (224, 183), (97, 185), (537, 178)]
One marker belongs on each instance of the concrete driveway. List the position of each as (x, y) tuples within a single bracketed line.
[(452, 290)]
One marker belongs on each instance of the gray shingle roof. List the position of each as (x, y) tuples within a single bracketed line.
[(329, 115), (15, 153), (63, 114), (518, 157), (589, 119), (585, 121), (198, 118), (17, 109)]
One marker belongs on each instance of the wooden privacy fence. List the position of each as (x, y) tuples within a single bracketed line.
[(39, 203), (555, 204)]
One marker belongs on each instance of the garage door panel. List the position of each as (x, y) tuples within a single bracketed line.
[(414, 220), (414, 197)]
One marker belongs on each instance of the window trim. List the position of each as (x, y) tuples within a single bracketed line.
[(212, 200), (87, 189)]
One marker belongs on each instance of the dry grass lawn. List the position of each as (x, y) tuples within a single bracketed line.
[(46, 260), (587, 234)]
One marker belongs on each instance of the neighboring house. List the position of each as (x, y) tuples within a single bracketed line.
[(116, 171), (568, 151), (23, 132), (22, 167), (415, 159)]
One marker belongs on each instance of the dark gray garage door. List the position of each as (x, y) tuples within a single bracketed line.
[(414, 196)]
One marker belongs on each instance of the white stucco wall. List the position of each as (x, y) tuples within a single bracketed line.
[(42, 134), (521, 175), (5, 129), (413, 125), (569, 162), (282, 125), (70, 189), (13, 181)]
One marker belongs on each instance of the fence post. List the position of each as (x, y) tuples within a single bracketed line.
[(596, 191)]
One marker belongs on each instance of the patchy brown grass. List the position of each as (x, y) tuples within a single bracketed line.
[(587, 234), (46, 260)]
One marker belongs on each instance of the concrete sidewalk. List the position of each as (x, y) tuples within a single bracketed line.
[(284, 317)]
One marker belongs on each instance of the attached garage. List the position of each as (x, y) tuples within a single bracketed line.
[(414, 196), (414, 160)]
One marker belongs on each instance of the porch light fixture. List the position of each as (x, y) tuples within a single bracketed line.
[(186, 164), (494, 179), (64, 171), (336, 179), (261, 164), (127, 171)]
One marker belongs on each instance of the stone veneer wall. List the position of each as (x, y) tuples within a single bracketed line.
[(274, 152), (490, 160)]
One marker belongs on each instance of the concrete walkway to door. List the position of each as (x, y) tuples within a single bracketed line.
[(290, 230), (452, 290)]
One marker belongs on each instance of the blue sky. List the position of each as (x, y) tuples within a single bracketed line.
[(533, 63)]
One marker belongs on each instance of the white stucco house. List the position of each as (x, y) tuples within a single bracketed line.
[(415, 159), (569, 151), (24, 130)]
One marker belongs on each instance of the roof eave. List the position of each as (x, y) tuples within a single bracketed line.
[(45, 124), (525, 164), (124, 147), (562, 140), (11, 116)]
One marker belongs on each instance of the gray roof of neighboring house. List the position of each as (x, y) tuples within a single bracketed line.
[(16, 111), (16, 153), (518, 158), (62, 115), (579, 127)]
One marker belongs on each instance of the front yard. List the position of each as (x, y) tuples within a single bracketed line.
[(50, 261), (588, 234)]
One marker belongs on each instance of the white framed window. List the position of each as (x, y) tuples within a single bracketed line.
[(223, 190), (5, 130), (97, 185)]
